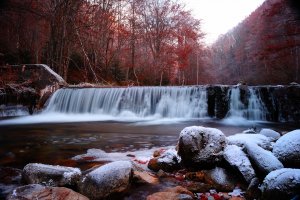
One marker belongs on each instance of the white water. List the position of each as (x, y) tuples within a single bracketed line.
[(150, 105), (135, 102), (239, 113)]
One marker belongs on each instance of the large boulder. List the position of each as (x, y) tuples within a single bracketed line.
[(36, 191), (107, 180), (264, 161), (287, 149), (282, 184), (201, 147), (51, 175), (168, 161), (239, 161), (270, 133)]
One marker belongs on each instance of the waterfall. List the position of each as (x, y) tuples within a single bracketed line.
[(254, 109), (141, 102)]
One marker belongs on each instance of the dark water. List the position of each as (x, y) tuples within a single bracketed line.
[(58, 143)]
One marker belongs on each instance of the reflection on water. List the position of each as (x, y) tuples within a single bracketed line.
[(57, 143)]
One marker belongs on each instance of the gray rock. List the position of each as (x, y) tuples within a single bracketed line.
[(36, 191), (201, 147), (287, 149), (242, 139), (263, 160), (107, 180), (282, 184), (51, 175), (239, 161), (270, 133), (168, 161), (222, 179)]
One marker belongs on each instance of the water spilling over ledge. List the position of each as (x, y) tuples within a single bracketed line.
[(232, 104)]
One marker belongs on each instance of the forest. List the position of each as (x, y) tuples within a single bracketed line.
[(262, 49), (149, 42), (123, 42)]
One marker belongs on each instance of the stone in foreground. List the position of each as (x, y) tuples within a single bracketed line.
[(264, 161), (168, 161), (107, 180), (201, 147), (270, 133), (51, 175), (282, 184), (239, 161), (287, 149), (36, 191), (176, 193)]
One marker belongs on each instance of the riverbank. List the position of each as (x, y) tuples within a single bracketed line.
[(149, 173)]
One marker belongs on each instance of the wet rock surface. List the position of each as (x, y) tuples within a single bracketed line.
[(287, 149), (107, 180), (36, 191), (51, 175), (201, 147)]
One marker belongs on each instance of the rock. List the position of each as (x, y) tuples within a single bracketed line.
[(258, 139), (287, 149), (40, 192), (217, 178), (107, 180), (221, 179), (201, 147), (10, 178), (263, 160), (176, 193), (253, 192), (198, 187), (282, 184), (270, 133), (51, 175), (239, 161), (168, 161), (146, 177), (250, 131)]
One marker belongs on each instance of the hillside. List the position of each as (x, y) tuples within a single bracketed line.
[(263, 49)]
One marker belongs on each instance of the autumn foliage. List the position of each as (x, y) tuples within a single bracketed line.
[(145, 42), (263, 49)]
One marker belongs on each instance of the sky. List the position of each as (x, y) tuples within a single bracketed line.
[(219, 16)]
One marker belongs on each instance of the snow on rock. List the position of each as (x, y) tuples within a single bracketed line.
[(282, 184), (241, 139), (36, 191), (201, 147), (270, 133), (263, 160), (287, 149), (51, 175), (238, 160), (106, 180), (168, 161)]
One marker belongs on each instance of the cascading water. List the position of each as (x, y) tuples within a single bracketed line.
[(141, 102), (255, 110)]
